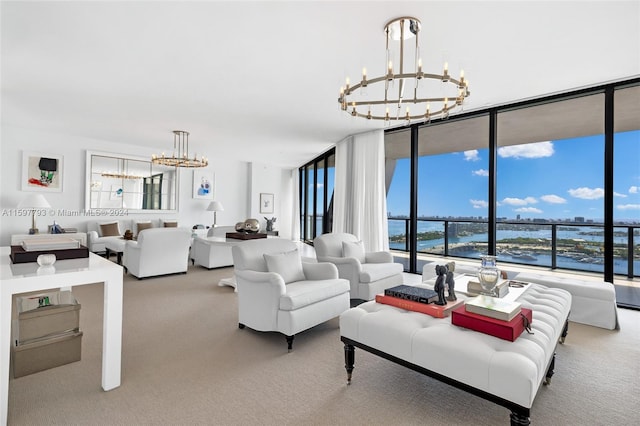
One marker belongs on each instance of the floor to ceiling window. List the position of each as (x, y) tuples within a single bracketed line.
[(316, 196)]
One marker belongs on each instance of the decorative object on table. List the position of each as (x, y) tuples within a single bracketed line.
[(441, 272), (270, 223), (128, 235), (180, 156), (488, 274), (437, 311), (378, 96), (41, 172), (493, 307), (266, 203), (36, 203), (240, 227), (56, 229), (252, 225), (451, 283), (203, 184), (507, 330), (413, 293), (47, 259), (215, 207)]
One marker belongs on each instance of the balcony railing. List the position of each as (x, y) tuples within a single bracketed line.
[(572, 246)]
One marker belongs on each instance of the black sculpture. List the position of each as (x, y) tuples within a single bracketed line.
[(441, 271), (451, 266)]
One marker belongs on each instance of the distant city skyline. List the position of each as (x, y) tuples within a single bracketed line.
[(555, 180)]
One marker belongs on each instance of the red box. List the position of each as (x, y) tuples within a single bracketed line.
[(507, 330)]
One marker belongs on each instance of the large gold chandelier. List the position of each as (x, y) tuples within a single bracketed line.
[(180, 156), (423, 95)]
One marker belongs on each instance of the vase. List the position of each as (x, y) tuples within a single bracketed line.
[(488, 275)]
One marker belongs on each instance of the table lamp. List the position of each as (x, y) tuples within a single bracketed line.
[(34, 202), (215, 206)]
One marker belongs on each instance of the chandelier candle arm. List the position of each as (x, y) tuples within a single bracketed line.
[(351, 98)]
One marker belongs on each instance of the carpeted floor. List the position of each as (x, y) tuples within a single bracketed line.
[(185, 362)]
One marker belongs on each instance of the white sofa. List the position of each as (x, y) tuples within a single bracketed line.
[(213, 251), (96, 240), (592, 302), (158, 251)]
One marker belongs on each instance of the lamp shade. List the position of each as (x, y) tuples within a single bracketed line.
[(34, 201), (215, 206)]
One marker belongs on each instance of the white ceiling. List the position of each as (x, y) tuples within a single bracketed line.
[(259, 81)]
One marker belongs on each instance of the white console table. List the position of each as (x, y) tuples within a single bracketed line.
[(17, 239), (27, 277)]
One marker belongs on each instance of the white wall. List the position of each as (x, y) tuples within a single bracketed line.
[(237, 184), (272, 180)]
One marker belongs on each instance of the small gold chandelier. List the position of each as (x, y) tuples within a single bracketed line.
[(180, 156), (358, 102)]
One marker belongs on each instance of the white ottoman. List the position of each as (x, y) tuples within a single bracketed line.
[(507, 373)]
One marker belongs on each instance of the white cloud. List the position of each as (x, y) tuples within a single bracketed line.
[(479, 204), (531, 150), (634, 189), (553, 199), (519, 201), (587, 193), (628, 206), (480, 172), (528, 210), (471, 155), (617, 194)]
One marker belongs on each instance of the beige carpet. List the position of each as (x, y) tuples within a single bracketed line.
[(185, 362)]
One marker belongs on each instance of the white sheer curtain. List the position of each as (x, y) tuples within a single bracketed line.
[(295, 187), (361, 204)]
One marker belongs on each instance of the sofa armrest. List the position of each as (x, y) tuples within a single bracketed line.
[(379, 257), (319, 271), (259, 298)]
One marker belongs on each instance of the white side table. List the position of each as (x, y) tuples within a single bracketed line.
[(27, 277)]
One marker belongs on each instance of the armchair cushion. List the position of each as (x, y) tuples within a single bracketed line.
[(109, 229), (354, 249), (372, 272), (288, 265), (141, 226), (170, 224), (304, 293)]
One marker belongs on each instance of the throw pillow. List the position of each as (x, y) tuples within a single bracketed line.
[(355, 249), (288, 265), (171, 224), (142, 226), (110, 229)]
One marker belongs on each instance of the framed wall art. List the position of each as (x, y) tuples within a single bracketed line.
[(266, 203), (203, 184), (41, 172)]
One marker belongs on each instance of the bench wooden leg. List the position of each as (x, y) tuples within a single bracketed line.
[(518, 419), (349, 359), (547, 379), (565, 331)]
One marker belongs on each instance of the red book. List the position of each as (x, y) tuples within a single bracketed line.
[(438, 311), (507, 330)]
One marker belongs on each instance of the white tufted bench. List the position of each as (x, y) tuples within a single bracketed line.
[(592, 302), (507, 373)]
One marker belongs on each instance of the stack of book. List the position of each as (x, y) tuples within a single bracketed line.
[(494, 316), (501, 289), (417, 299)]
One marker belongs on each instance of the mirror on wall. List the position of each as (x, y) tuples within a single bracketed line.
[(116, 181)]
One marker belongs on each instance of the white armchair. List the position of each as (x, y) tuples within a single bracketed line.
[(368, 273), (278, 292), (158, 251), (214, 251)]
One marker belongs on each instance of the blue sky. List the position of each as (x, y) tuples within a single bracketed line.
[(550, 179)]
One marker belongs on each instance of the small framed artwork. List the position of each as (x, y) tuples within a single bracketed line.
[(41, 172), (203, 184), (266, 203)]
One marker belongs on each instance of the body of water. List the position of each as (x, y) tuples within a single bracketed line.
[(571, 261)]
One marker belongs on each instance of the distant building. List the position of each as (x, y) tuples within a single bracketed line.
[(579, 219)]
